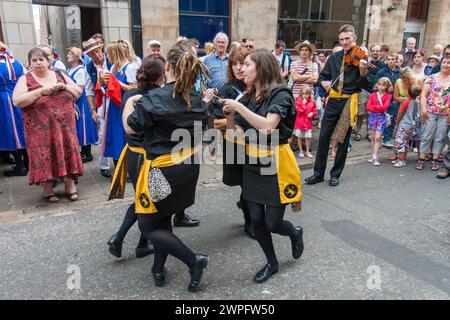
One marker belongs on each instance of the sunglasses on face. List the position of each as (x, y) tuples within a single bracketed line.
[(249, 46)]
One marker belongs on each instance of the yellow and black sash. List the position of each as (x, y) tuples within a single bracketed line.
[(288, 172), (144, 204), (117, 189), (348, 115)]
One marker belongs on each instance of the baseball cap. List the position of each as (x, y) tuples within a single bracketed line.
[(153, 43)]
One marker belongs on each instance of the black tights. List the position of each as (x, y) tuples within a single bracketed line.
[(128, 221), (245, 211), (158, 229), (267, 220), (134, 163)]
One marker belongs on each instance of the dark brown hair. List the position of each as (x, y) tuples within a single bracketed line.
[(267, 74), (187, 69), (414, 91), (385, 48), (37, 51), (151, 70), (279, 44), (236, 55)]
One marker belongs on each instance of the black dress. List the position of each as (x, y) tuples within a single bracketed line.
[(158, 115), (258, 186), (232, 167)]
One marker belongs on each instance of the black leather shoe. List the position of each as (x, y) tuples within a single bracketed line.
[(265, 273), (160, 279), (185, 222), (297, 244), (15, 172), (248, 228), (106, 173), (313, 179), (201, 261), (334, 181), (87, 157), (144, 251), (115, 246)]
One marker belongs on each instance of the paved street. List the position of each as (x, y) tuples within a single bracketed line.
[(386, 221)]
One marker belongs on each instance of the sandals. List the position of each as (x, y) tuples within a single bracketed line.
[(52, 198), (72, 196), (420, 164), (435, 166)]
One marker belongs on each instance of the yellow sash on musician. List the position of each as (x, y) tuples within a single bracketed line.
[(117, 189), (353, 103), (144, 204)]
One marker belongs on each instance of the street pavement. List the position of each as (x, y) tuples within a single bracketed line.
[(384, 233)]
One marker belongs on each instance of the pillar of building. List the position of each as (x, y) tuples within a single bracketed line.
[(160, 21), (73, 26), (18, 26), (255, 19), (438, 24), (387, 26), (116, 23)]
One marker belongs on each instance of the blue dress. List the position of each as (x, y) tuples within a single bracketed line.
[(113, 132), (86, 127), (12, 135)]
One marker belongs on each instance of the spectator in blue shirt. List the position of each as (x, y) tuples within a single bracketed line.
[(217, 62)]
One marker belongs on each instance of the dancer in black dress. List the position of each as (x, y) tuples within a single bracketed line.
[(271, 177), (168, 177)]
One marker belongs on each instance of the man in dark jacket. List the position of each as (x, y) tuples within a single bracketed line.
[(408, 52)]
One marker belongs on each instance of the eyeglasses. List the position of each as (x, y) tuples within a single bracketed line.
[(249, 46)]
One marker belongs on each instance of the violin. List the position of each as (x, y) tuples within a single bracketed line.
[(354, 56)]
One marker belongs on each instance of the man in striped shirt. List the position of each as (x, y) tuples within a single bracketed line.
[(304, 72)]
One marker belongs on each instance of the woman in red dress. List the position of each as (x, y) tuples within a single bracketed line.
[(47, 99)]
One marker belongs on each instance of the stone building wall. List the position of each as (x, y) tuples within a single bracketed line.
[(18, 26), (438, 24), (255, 19), (160, 21), (116, 23)]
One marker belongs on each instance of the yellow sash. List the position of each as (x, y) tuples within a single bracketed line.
[(144, 204), (353, 104), (117, 189), (288, 172)]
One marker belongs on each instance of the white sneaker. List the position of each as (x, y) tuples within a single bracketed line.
[(387, 145), (400, 164)]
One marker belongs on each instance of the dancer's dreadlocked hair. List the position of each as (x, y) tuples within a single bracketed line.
[(187, 68)]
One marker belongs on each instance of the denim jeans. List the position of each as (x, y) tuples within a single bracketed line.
[(392, 111)]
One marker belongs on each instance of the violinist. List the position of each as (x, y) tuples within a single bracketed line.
[(343, 76)]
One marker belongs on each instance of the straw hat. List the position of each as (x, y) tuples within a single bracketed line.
[(307, 44), (77, 52), (435, 57), (90, 45)]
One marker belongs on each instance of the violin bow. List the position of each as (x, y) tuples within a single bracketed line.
[(353, 54)]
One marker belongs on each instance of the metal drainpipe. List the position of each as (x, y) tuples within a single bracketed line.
[(135, 6)]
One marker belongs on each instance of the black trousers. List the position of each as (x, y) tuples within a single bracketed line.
[(330, 119)]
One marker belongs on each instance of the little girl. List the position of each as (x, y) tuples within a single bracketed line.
[(377, 106), (306, 111), (408, 121)]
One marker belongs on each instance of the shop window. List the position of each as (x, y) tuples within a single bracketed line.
[(318, 20), (203, 19)]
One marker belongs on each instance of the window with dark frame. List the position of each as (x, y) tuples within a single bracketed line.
[(203, 19)]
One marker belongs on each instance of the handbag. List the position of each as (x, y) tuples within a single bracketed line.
[(158, 185)]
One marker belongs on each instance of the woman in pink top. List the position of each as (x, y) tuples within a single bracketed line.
[(377, 105), (306, 111)]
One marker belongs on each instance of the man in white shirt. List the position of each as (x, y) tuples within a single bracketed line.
[(282, 58)]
